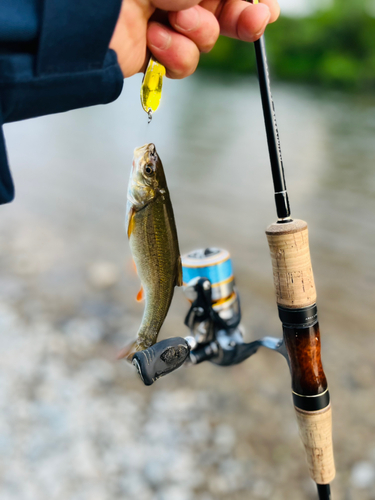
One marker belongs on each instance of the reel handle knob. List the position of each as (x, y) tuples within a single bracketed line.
[(160, 359)]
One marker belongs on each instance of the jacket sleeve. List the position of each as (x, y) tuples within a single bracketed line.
[(54, 57)]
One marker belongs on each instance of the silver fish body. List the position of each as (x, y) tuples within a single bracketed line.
[(153, 241)]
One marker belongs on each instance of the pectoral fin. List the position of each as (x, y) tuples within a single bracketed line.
[(130, 221), (178, 281)]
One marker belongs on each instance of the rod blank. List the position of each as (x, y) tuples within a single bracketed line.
[(273, 139)]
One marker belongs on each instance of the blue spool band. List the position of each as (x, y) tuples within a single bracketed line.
[(215, 266), (217, 274)]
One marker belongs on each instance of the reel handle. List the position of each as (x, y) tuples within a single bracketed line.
[(160, 359)]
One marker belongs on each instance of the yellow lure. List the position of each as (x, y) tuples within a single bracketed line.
[(152, 86)]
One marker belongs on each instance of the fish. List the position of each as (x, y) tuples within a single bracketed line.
[(152, 234)]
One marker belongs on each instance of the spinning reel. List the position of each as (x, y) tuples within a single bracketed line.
[(213, 319)]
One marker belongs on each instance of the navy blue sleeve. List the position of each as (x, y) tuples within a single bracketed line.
[(54, 57)]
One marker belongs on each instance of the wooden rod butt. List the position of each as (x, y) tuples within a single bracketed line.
[(296, 298), (315, 429)]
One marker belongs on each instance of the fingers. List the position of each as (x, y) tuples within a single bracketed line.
[(243, 20), (216, 6), (274, 7), (196, 29), (176, 52), (198, 24), (192, 31)]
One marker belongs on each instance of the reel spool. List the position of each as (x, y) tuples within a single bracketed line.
[(215, 265)]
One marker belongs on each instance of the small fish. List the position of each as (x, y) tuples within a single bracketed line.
[(153, 241)]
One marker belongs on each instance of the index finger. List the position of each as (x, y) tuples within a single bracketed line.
[(243, 20), (234, 22)]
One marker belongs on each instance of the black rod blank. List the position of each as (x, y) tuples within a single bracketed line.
[(273, 139), (324, 492)]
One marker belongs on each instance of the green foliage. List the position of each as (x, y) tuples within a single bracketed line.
[(335, 48)]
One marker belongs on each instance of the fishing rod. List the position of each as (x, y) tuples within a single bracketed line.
[(296, 301)]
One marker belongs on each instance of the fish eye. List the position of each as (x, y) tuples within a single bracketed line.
[(149, 169)]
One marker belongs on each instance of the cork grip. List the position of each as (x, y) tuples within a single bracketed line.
[(316, 434), (292, 272)]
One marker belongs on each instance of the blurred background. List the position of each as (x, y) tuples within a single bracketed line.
[(77, 424)]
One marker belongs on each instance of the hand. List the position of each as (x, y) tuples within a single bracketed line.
[(177, 31)]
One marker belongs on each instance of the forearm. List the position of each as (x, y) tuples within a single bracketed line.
[(54, 57), (23, 95)]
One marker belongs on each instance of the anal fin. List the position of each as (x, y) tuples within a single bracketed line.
[(140, 294)]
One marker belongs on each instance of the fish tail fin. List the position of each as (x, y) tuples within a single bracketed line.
[(127, 351), (134, 346)]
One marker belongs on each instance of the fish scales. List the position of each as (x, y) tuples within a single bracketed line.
[(155, 261)]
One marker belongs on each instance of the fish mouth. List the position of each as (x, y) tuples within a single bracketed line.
[(145, 154), (147, 148)]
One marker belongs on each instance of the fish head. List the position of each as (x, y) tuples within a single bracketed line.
[(147, 177)]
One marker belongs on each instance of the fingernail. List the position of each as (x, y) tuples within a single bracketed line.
[(161, 39), (267, 14), (187, 20)]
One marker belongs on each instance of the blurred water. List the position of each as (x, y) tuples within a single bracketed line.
[(71, 171), (65, 268)]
